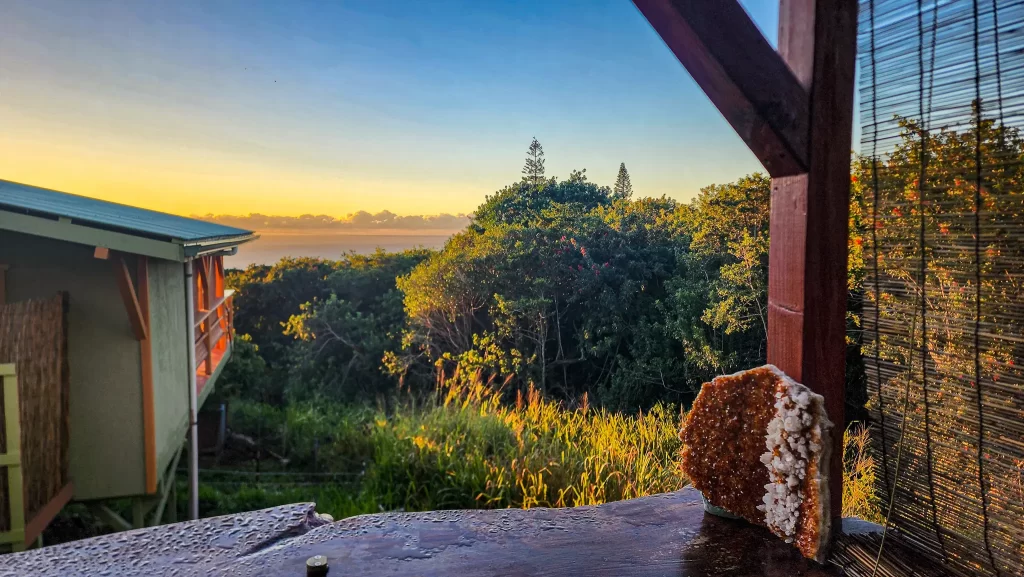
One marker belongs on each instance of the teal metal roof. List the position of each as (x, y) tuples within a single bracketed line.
[(42, 202)]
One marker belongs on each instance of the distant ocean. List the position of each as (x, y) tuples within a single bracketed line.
[(273, 245)]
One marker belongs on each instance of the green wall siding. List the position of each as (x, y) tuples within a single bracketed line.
[(170, 372), (107, 453)]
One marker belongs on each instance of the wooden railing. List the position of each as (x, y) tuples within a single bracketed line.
[(213, 332), (12, 493)]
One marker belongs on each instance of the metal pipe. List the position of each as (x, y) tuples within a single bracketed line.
[(193, 402)]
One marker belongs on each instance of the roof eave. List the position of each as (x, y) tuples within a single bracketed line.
[(194, 248), (68, 231)]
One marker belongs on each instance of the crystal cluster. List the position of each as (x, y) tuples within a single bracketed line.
[(791, 445), (734, 419)]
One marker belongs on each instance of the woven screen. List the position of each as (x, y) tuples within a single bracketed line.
[(941, 108)]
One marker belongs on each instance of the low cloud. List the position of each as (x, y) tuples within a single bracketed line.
[(355, 222)]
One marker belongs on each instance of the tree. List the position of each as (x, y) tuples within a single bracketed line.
[(319, 326), (523, 202), (533, 170), (728, 266), (623, 188), (559, 287)]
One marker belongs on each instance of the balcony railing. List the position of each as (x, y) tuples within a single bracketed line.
[(213, 332)]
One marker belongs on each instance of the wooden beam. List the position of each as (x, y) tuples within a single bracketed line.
[(810, 214), (68, 231), (146, 361), (743, 76), (131, 300), (38, 524), (206, 277)]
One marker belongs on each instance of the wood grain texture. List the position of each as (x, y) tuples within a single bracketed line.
[(659, 536), (807, 291), (33, 337), (665, 535), (744, 77)]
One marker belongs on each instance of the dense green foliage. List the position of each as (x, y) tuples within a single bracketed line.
[(570, 288), (315, 328), (564, 285)]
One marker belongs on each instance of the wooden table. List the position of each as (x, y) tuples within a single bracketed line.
[(659, 536)]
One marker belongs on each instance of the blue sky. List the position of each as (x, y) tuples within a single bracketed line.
[(195, 106)]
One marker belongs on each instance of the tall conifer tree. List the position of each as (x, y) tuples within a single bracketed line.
[(533, 170), (623, 188)]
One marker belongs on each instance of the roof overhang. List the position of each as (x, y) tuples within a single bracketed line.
[(193, 249), (69, 231)]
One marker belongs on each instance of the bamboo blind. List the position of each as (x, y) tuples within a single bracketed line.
[(941, 105), (33, 336)]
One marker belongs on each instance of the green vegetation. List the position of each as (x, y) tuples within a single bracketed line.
[(567, 286), (573, 321), (466, 448), (462, 448)]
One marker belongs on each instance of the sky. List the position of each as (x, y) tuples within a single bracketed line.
[(331, 107)]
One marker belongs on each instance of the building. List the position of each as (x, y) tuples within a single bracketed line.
[(148, 331)]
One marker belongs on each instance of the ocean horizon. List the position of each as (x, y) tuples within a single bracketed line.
[(273, 245)]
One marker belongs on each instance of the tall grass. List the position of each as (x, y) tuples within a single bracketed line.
[(859, 476), (471, 448)]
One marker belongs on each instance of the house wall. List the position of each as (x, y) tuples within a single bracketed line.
[(106, 453), (170, 357)]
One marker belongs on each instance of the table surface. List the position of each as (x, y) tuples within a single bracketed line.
[(662, 535)]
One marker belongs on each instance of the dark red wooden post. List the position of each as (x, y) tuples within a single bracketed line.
[(794, 109), (810, 214)]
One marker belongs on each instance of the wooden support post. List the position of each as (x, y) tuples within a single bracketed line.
[(802, 136), (807, 291), (207, 301)]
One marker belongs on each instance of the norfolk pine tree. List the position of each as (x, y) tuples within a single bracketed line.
[(533, 170), (623, 188)]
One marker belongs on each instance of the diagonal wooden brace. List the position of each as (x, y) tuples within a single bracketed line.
[(741, 73)]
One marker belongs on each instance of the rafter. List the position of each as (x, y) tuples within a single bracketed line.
[(743, 76)]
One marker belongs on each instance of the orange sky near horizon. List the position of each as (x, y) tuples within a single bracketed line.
[(197, 182), (291, 108)]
